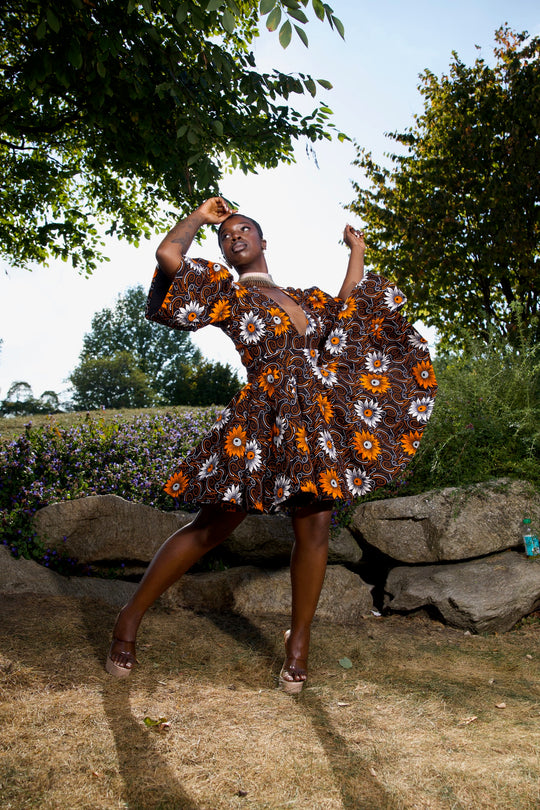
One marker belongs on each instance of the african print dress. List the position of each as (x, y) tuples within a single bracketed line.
[(329, 414)]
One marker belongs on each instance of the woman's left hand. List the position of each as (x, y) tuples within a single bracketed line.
[(354, 238)]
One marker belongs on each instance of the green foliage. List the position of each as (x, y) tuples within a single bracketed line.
[(20, 400), (130, 455), (456, 218), (206, 383), (112, 111), (486, 420), (157, 351), (111, 382), (128, 361)]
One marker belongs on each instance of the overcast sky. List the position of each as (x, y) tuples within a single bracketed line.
[(45, 313)]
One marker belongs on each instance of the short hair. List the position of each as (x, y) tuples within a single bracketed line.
[(238, 214)]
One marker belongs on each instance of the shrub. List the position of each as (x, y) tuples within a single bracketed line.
[(128, 458), (486, 420)]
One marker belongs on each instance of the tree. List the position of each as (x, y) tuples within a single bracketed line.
[(208, 383), (164, 366), (20, 401), (456, 219), (156, 351), (111, 382), (113, 110)]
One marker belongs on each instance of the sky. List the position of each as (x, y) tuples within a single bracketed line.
[(45, 313)]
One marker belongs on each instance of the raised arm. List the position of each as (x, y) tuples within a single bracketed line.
[(355, 269), (177, 242)]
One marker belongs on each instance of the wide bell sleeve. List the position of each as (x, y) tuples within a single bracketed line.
[(199, 295)]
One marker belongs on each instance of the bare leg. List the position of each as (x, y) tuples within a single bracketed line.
[(308, 566), (177, 554)]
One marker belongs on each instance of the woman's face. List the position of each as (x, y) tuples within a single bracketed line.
[(240, 241)]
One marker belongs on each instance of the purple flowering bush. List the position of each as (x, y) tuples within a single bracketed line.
[(50, 463)]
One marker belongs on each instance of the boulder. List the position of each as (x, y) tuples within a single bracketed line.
[(484, 596), (106, 527), (450, 524), (246, 590), (269, 538), (103, 528), (253, 591), (27, 576)]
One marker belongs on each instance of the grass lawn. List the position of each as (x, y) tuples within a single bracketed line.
[(427, 718)]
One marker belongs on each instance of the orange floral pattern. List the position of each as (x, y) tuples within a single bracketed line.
[(410, 442), (424, 374), (220, 311), (235, 442), (332, 413), (329, 481)]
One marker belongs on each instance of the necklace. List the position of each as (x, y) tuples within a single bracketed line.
[(257, 280)]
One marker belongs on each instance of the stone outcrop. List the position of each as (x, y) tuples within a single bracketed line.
[(103, 528), (245, 590), (451, 524), (484, 596), (451, 541), (26, 576), (106, 527), (248, 590)]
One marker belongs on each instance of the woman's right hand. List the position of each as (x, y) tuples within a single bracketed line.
[(215, 210), (354, 238)]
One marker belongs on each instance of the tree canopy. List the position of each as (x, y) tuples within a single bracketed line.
[(128, 361), (456, 218), (112, 110)]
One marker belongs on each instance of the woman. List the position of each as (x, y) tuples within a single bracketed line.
[(338, 393)]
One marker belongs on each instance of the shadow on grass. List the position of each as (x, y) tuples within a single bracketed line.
[(359, 789), (149, 783)]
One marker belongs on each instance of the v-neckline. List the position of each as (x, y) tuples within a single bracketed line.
[(282, 308)]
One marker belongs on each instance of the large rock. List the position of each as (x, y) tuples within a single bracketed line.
[(483, 596), (245, 590), (26, 576), (106, 527), (451, 524), (269, 538), (250, 591), (103, 528)]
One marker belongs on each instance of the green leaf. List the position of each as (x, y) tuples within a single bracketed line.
[(346, 663), (100, 67), (274, 18), (302, 34), (181, 131), (181, 14), (340, 27), (74, 54), (285, 34), (132, 5), (213, 5), (41, 30), (234, 8), (53, 21), (150, 723), (325, 83), (298, 14), (266, 6), (311, 86), (218, 127), (228, 21), (318, 8)]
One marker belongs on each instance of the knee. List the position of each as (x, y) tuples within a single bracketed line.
[(313, 531)]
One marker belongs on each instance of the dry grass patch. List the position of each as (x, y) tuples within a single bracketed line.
[(395, 731)]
